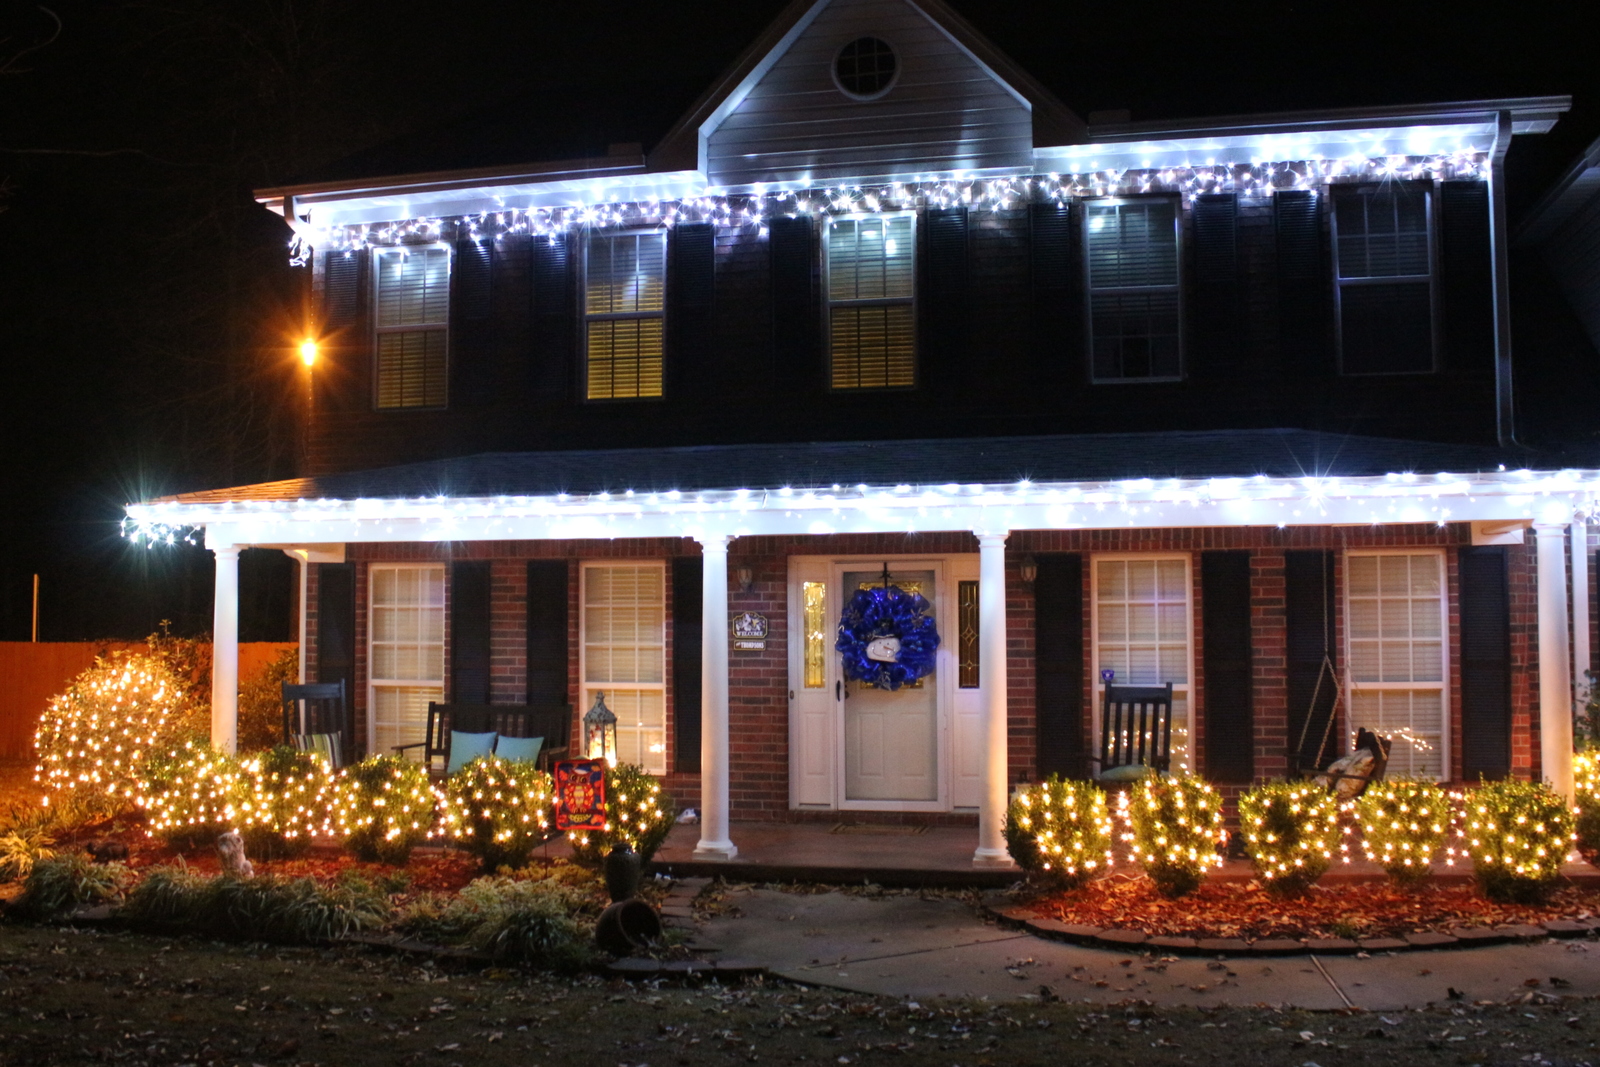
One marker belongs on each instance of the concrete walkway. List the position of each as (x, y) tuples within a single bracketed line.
[(909, 947)]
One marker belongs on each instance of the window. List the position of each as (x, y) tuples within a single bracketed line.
[(624, 654), (871, 269), (1383, 256), (624, 311), (1142, 632), (1131, 247), (413, 315), (405, 653), (865, 68), (1395, 621)]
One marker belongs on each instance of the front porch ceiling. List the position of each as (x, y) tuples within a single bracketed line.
[(1546, 497)]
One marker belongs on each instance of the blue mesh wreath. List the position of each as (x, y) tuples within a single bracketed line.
[(887, 612)]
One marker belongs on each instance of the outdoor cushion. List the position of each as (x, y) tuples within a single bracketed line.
[(325, 745), (464, 748), (1129, 772), (525, 749)]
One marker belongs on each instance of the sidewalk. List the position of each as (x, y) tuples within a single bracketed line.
[(900, 945)]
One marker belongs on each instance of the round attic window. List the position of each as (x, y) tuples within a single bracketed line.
[(865, 68)]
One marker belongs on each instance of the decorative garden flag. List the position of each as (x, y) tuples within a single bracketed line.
[(580, 794)]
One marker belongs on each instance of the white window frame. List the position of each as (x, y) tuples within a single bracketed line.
[(1442, 686), (374, 683), (1340, 283), (588, 234), (1183, 689), (828, 303), (587, 689), (1090, 289), (442, 326)]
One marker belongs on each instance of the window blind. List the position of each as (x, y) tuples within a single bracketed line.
[(1384, 265), (624, 310), (871, 286), (413, 314), (1132, 255)]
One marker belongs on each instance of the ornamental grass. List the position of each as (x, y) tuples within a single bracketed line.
[(1404, 823), (1518, 835), (384, 806), (70, 880), (263, 908), (637, 814), (1059, 831), (498, 810), (1174, 830), (1290, 831)]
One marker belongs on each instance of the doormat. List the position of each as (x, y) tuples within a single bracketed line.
[(878, 829)]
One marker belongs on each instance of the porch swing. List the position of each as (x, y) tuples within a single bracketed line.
[(1348, 776)]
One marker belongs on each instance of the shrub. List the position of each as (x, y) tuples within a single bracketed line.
[(385, 806), (498, 810), (191, 794), (265, 908), (95, 737), (261, 702), (1586, 786), (1290, 832), (1175, 826), (28, 837), (536, 921), (1518, 834), (68, 881), (1403, 826), (284, 800), (636, 814), (1060, 831)]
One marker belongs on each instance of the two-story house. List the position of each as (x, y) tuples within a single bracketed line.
[(1225, 404)]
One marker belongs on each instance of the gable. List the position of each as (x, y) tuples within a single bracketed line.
[(947, 110)]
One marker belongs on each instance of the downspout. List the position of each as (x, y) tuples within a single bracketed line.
[(1505, 415)]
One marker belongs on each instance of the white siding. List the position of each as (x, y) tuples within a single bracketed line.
[(944, 112)]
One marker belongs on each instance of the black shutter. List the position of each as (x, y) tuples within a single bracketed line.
[(344, 380), (471, 331), (1230, 734), (469, 632), (1309, 605), (1057, 341), (944, 292), (341, 288), (336, 624), (555, 325), (1305, 308), (690, 290), (1214, 291), (796, 334), (1466, 278), (1058, 663), (687, 604), (1485, 663), (547, 631)]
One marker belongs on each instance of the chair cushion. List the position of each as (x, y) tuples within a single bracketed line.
[(1130, 772), (327, 746), (524, 749), (464, 748)]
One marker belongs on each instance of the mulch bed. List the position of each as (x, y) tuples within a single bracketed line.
[(1245, 911)]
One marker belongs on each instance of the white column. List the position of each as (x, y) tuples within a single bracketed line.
[(225, 651), (992, 797), (1580, 614), (1555, 676), (714, 840)]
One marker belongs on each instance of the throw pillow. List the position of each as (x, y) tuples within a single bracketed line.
[(464, 748)]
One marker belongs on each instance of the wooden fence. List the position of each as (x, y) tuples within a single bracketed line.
[(30, 674)]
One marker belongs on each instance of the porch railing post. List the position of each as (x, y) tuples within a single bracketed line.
[(1555, 675), (714, 840), (225, 651), (992, 797)]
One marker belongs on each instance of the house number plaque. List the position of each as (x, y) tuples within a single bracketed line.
[(749, 631)]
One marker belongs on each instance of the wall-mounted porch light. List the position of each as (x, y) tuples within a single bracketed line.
[(308, 352)]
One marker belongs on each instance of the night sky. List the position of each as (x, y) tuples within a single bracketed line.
[(147, 310)]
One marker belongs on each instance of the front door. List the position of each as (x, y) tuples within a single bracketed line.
[(891, 738)]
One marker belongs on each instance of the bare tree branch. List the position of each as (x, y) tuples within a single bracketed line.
[(8, 64)]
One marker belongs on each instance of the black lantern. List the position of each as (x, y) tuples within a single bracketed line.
[(600, 731)]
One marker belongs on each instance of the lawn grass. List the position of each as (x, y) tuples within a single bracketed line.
[(70, 996)]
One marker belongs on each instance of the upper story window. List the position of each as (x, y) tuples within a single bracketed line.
[(871, 285), (1383, 261), (624, 313), (413, 325), (865, 68), (1131, 248)]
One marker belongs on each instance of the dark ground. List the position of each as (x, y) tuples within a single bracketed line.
[(70, 996)]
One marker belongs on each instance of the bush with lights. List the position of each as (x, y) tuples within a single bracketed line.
[(94, 738), (1586, 788), (636, 815), (192, 793), (1403, 826), (384, 806), (1059, 831), (284, 800), (498, 810), (1291, 830), (1174, 828), (1518, 834)]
